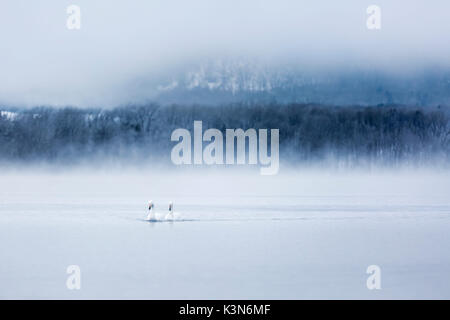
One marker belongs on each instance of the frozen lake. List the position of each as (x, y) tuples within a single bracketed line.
[(240, 235)]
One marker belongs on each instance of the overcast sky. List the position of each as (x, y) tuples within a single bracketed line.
[(42, 62)]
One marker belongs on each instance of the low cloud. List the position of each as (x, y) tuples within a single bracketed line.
[(42, 62)]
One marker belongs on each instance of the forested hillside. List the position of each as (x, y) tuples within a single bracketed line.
[(349, 136)]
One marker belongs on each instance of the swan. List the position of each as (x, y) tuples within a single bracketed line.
[(151, 211), (169, 216)]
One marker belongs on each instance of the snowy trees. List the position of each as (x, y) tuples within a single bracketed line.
[(308, 133)]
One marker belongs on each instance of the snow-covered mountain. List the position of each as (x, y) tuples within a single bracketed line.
[(225, 81)]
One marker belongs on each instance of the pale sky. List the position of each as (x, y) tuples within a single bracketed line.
[(42, 62)]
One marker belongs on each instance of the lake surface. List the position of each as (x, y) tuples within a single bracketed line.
[(237, 235)]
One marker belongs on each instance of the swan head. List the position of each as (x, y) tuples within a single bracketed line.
[(170, 206), (150, 204)]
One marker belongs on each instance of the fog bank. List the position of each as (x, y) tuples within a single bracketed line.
[(124, 47)]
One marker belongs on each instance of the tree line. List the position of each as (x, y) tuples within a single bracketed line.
[(309, 133)]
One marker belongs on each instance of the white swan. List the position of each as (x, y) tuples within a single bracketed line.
[(169, 216), (151, 214)]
